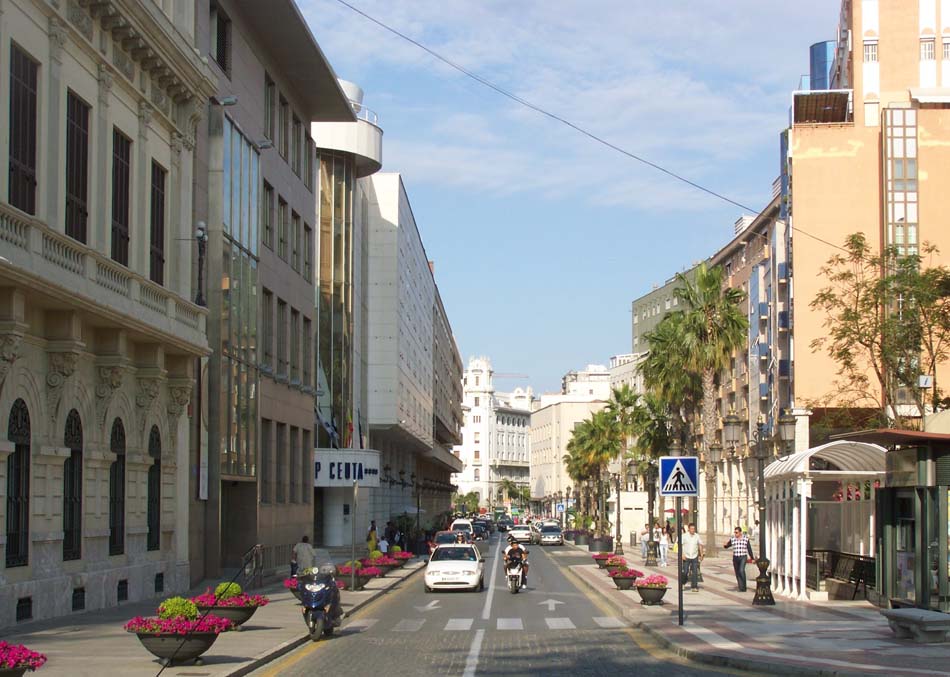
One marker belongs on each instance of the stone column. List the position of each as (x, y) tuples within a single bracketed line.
[(100, 231), (52, 150), (142, 181)]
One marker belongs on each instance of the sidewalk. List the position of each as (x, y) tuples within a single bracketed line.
[(721, 627), (94, 643)]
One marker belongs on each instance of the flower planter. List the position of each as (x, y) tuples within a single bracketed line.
[(602, 562), (601, 544), (13, 672), (623, 583), (614, 567), (183, 647), (236, 614), (580, 539), (385, 568), (651, 596), (361, 582)]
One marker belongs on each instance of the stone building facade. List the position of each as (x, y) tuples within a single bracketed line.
[(98, 333)]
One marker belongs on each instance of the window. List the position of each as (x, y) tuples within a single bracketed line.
[(294, 346), (476, 455), (294, 464), (268, 330), (72, 488), (296, 143), (295, 241), (478, 475), (265, 469), (283, 120), (282, 218), (121, 196), (23, 83), (927, 50), (18, 486), (221, 38), (77, 167), (870, 51), (476, 401), (308, 252), (156, 262), (281, 338), (281, 462), (270, 103), (946, 49), (477, 436), (117, 489), (154, 491), (267, 215), (310, 151), (306, 454), (306, 358)]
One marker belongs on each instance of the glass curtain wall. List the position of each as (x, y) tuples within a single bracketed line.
[(334, 359), (239, 316)]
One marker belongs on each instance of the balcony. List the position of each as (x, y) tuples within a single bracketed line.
[(66, 271), (362, 139), (822, 107)]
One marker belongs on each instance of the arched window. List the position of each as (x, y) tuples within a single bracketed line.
[(478, 475), (18, 486), (154, 489), (72, 488), (117, 490)]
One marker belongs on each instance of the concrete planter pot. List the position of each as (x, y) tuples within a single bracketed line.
[(361, 582), (581, 539), (651, 596), (236, 614), (601, 544), (184, 648), (13, 672), (624, 583)]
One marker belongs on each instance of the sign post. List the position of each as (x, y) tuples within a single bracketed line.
[(679, 476)]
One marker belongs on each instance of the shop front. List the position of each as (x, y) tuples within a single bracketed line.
[(912, 526)]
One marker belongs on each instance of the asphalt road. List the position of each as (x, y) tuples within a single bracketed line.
[(553, 628)]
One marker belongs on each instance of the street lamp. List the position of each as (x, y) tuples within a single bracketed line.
[(201, 237), (618, 544), (713, 456), (567, 502)]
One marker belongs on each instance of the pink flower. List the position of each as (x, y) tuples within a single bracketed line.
[(654, 581), (290, 583), (340, 585), (179, 625), (18, 656), (371, 571), (625, 573), (241, 600)]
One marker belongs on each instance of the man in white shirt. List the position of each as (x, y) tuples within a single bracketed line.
[(302, 557), (693, 553)]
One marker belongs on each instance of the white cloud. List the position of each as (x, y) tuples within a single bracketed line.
[(698, 87)]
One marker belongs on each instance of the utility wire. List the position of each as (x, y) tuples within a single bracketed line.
[(563, 121)]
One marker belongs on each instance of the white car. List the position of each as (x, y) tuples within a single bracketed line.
[(523, 533), (456, 566)]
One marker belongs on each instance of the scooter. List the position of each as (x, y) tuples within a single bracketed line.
[(321, 602), (515, 575)]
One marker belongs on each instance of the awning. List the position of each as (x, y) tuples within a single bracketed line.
[(843, 457)]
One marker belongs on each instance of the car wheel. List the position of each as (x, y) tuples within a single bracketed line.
[(481, 584), (428, 589)]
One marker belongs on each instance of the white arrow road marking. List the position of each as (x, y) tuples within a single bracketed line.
[(431, 606), (551, 603)]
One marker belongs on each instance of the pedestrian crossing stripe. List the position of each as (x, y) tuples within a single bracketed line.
[(679, 476), (465, 624)]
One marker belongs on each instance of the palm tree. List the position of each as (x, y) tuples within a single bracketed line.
[(651, 425), (598, 443)]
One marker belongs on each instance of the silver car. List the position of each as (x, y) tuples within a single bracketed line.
[(551, 535)]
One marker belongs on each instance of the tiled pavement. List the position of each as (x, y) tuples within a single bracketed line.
[(722, 627), (94, 644)]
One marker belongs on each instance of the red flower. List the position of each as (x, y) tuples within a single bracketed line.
[(179, 625), (18, 656), (241, 600)]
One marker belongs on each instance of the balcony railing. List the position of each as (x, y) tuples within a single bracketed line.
[(29, 244)]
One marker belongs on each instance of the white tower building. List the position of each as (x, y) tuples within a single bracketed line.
[(495, 437)]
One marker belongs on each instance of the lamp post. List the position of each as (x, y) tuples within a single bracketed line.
[(201, 237), (618, 544), (651, 509), (713, 456), (567, 502)]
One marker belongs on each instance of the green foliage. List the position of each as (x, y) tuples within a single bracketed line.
[(227, 590), (376, 554), (395, 549), (356, 564), (178, 607)]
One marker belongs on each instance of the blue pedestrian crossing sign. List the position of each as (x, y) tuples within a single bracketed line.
[(679, 476)]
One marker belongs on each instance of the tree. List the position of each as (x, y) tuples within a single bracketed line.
[(468, 502), (651, 426), (597, 442), (508, 488), (887, 323)]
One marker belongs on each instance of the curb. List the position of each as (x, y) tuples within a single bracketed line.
[(286, 647), (751, 664)]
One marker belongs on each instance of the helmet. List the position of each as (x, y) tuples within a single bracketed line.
[(511, 538)]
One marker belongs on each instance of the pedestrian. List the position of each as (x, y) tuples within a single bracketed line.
[(693, 553), (383, 545), (301, 557), (644, 540), (371, 536), (741, 553), (660, 536)]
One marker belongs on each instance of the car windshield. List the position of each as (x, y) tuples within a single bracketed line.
[(454, 554), (550, 530), (521, 527), (445, 538), (461, 527)]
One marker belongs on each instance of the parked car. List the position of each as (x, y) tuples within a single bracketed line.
[(441, 538), (551, 535), (455, 567)]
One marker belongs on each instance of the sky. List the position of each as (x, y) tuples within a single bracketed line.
[(541, 237)]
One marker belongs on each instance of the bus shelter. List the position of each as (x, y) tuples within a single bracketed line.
[(820, 518)]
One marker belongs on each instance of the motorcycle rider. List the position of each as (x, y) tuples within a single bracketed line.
[(515, 551)]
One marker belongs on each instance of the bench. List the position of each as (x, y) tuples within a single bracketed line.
[(921, 625)]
